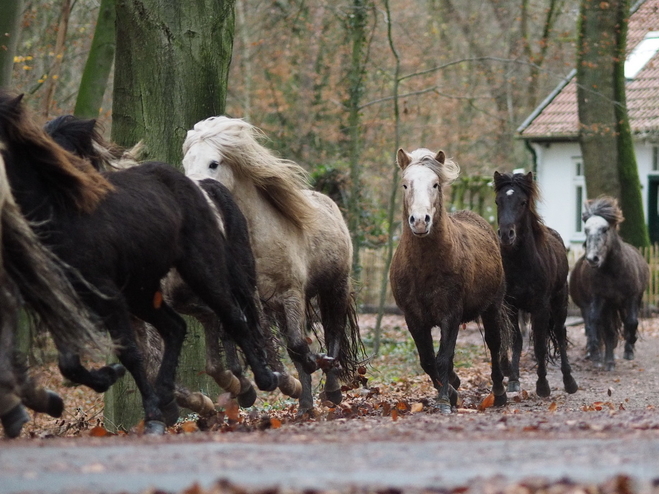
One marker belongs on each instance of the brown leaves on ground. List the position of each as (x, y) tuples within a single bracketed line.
[(619, 484)]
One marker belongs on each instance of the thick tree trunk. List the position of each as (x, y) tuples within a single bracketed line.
[(99, 64), (10, 22), (605, 136), (171, 70)]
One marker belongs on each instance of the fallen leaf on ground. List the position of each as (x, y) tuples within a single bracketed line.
[(487, 402)]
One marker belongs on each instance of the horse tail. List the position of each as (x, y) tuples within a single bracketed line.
[(49, 299)]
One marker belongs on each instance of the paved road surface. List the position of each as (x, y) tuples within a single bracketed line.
[(134, 467)]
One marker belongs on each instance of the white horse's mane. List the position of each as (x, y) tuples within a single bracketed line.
[(447, 171), (237, 141)]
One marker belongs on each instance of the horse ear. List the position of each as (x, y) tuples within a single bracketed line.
[(497, 175), (402, 158), (440, 157), (16, 101), (90, 124), (529, 176)]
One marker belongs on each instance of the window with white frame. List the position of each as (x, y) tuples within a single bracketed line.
[(579, 192)]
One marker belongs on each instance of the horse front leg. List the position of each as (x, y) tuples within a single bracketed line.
[(540, 325), (592, 315), (558, 316), (448, 396), (422, 334), (496, 326), (518, 341), (630, 323)]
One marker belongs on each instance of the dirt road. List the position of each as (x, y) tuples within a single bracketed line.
[(391, 438)]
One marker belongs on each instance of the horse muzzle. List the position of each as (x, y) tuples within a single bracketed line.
[(420, 226), (507, 236)]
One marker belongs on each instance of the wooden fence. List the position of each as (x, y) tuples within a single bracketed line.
[(373, 261)]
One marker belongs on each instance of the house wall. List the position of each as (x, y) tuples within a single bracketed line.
[(557, 175)]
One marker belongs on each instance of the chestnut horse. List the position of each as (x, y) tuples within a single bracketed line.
[(536, 267), (447, 270), (607, 283)]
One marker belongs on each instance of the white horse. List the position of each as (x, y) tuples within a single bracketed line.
[(301, 245)]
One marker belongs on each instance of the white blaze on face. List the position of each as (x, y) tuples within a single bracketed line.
[(202, 161), (596, 229), (421, 197), (510, 192)]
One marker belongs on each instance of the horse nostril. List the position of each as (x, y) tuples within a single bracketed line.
[(427, 218), (412, 220)]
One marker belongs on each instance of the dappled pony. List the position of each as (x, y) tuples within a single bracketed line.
[(536, 268), (446, 270), (123, 231), (301, 246), (607, 283), (81, 137), (33, 280)]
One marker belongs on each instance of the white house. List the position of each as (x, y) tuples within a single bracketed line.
[(551, 132)]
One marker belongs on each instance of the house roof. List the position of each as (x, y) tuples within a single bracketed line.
[(556, 118)]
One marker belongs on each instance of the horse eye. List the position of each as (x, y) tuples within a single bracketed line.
[(213, 165), (435, 186)]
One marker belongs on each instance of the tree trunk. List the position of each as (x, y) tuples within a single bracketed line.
[(357, 18), (10, 24), (60, 48), (171, 70), (99, 64), (605, 137)]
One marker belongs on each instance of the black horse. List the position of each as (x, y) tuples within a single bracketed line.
[(536, 267), (123, 231), (82, 138), (607, 283)]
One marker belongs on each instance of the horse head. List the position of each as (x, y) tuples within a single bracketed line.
[(601, 219), (208, 147), (515, 200), (424, 174)]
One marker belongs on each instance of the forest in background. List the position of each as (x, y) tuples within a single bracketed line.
[(470, 72)]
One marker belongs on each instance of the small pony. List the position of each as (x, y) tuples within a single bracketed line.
[(447, 270), (536, 267), (123, 232), (607, 283), (301, 245)]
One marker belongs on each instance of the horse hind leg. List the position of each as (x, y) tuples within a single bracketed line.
[(557, 327), (517, 344), (630, 324)]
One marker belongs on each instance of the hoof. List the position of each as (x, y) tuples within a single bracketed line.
[(610, 366), (170, 413), (154, 427), (55, 405), (570, 385), (500, 400), (514, 387), (335, 396), (628, 354), (444, 407), (290, 386), (118, 369), (13, 421), (542, 388), (247, 398), (267, 381), (304, 411)]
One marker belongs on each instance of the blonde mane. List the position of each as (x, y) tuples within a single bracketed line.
[(447, 171), (282, 182)]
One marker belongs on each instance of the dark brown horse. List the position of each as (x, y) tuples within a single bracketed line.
[(608, 282), (123, 232), (446, 270), (536, 267)]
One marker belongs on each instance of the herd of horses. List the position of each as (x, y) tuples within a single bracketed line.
[(95, 242)]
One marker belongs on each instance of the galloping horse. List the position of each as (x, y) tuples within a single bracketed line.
[(82, 138), (301, 245), (607, 283), (123, 232), (536, 267), (32, 278), (446, 270)]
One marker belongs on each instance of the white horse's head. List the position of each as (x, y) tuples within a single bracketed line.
[(210, 144), (601, 220), (424, 174)]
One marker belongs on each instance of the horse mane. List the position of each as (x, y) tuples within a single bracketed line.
[(83, 138), (530, 187), (72, 179), (447, 171), (606, 207), (282, 181)]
